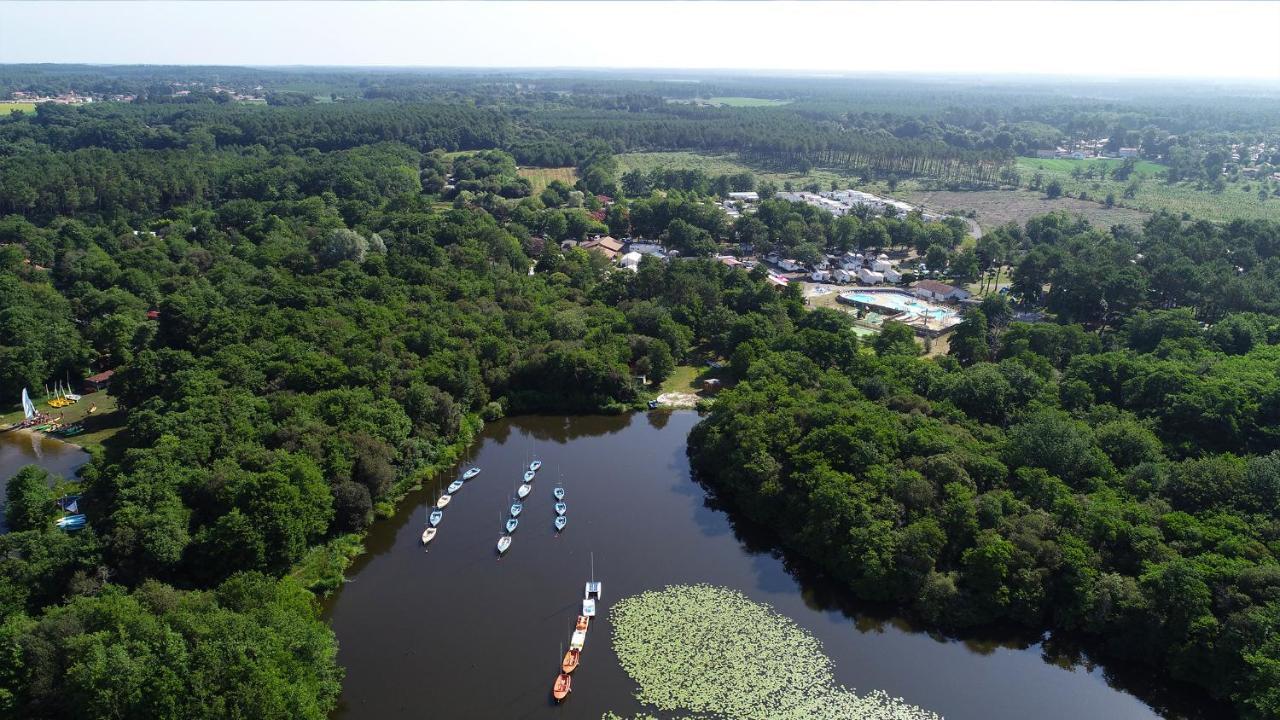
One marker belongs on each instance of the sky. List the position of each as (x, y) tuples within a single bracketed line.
[(1091, 39)]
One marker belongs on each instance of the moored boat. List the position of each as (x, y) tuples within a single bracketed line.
[(589, 607), (512, 524), (561, 521), (455, 486), (504, 542), (471, 473), (570, 662), (578, 640), (429, 534), (563, 686), (535, 465), (524, 491), (529, 475), (444, 500), (561, 508), (516, 508), (583, 623), (435, 517), (558, 493)]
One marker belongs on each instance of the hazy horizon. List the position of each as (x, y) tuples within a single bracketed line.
[(1191, 41)]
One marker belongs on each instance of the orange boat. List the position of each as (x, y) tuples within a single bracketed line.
[(570, 662), (564, 684), (582, 623)]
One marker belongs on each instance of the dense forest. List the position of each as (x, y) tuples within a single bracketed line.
[(310, 306)]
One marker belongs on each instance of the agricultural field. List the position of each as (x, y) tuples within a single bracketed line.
[(542, 177), (1238, 200), (8, 106), (997, 207)]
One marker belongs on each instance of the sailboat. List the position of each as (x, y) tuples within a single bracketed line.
[(504, 542), (524, 490), (558, 493), (561, 508), (535, 465), (455, 486), (429, 534), (560, 522), (443, 501), (435, 517), (471, 473), (512, 524), (516, 509)]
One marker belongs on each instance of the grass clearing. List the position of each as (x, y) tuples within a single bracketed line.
[(8, 106), (747, 102), (542, 177), (1154, 194), (100, 426)]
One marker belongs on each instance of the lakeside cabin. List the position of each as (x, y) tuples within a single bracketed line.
[(101, 381)]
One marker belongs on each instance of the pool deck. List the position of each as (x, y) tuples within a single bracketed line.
[(927, 318)]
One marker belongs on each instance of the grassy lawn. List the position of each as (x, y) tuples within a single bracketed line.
[(100, 426), (997, 207), (542, 177), (8, 106)]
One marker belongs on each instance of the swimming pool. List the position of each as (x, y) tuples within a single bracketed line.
[(905, 304)]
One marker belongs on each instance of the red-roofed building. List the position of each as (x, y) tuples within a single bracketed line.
[(153, 314), (606, 246), (101, 381), (604, 199)]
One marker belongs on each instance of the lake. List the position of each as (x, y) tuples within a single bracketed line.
[(19, 449), (456, 632)]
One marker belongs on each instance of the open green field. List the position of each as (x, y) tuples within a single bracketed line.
[(747, 102), (542, 177), (1238, 200), (8, 106)]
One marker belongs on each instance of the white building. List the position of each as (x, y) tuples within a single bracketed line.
[(746, 197), (934, 290), (789, 265), (881, 265), (631, 260), (892, 276), (842, 276), (869, 277), (820, 276)]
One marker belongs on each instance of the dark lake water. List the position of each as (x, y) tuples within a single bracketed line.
[(19, 449), (455, 632)]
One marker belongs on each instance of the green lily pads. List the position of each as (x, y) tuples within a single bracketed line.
[(713, 653)]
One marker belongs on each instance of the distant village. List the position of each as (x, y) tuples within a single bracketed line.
[(72, 97)]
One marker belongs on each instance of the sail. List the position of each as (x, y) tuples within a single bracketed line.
[(28, 407)]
